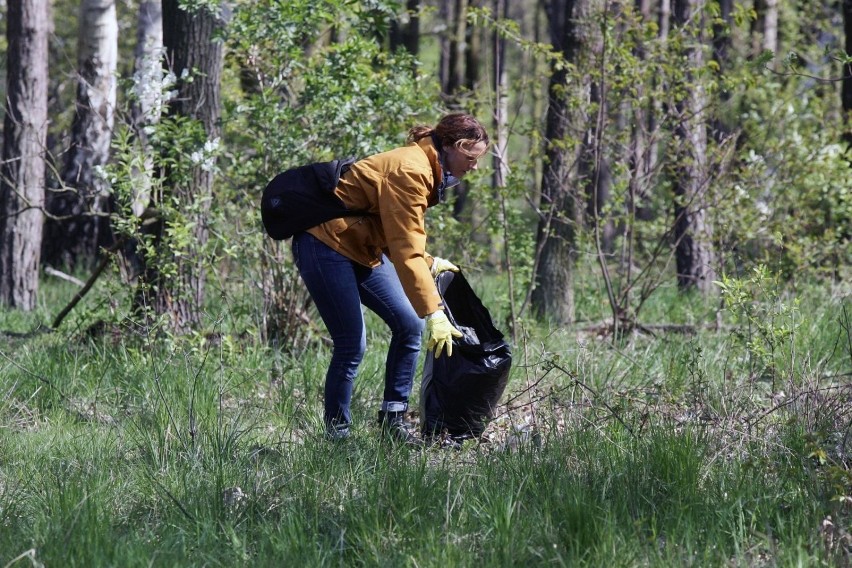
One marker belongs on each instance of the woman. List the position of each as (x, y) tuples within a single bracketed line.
[(380, 260)]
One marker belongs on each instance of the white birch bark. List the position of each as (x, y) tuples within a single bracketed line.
[(148, 90), (83, 201)]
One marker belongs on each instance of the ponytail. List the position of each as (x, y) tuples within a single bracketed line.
[(419, 132), (457, 129)]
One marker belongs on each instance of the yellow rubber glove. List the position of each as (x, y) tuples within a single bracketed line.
[(440, 333), (440, 265)]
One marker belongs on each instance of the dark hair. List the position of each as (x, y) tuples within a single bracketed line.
[(457, 129)]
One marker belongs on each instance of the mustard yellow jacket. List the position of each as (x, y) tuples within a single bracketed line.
[(394, 188)]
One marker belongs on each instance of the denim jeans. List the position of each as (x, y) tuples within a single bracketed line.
[(338, 287)]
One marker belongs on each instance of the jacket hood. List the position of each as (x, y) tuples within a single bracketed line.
[(430, 147)]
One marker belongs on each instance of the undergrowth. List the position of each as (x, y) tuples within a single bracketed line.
[(698, 447)]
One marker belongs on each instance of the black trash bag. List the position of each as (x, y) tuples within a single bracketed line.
[(458, 394)]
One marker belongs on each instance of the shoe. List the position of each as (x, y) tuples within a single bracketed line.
[(336, 432), (443, 442), (395, 429)]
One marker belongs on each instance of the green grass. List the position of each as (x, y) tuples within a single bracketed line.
[(125, 450)]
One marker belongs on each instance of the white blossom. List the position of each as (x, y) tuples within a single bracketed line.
[(152, 86), (206, 157)]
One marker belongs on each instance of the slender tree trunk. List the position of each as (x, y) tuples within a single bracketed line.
[(196, 57), (770, 28), (597, 170), (766, 26), (594, 166), (722, 31), (500, 133), (445, 14), (405, 31), (147, 71), (468, 62), (665, 19), (473, 53), (83, 203), (846, 89), (22, 176), (457, 58), (642, 146), (656, 107), (145, 112), (147, 65), (501, 103), (721, 48), (553, 293), (693, 232), (539, 96)]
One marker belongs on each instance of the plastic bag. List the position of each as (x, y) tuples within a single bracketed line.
[(458, 394)]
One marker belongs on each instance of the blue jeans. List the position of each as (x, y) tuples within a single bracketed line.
[(338, 287)]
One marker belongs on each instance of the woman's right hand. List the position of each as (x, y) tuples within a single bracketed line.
[(440, 265)]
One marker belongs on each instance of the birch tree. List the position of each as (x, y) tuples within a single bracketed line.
[(147, 81), (501, 100), (82, 203), (766, 26)]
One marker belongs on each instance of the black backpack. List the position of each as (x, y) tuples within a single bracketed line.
[(303, 197)]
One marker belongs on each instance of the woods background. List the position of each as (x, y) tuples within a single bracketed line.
[(651, 142)]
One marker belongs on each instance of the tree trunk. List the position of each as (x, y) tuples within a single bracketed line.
[(766, 26), (656, 107), (594, 166), (83, 201), (457, 47), (196, 58), (147, 71), (721, 47), (501, 107), (144, 112), (846, 89), (770, 27), (147, 63), (693, 232), (722, 31), (445, 14), (500, 136), (405, 31), (468, 62), (24, 138), (642, 151), (553, 293), (473, 53), (665, 20)]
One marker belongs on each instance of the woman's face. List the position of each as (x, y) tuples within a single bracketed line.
[(459, 161)]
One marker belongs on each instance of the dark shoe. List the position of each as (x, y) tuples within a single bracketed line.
[(336, 432), (443, 442), (395, 429)]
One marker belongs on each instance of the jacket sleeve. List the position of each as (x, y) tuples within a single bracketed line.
[(403, 200)]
